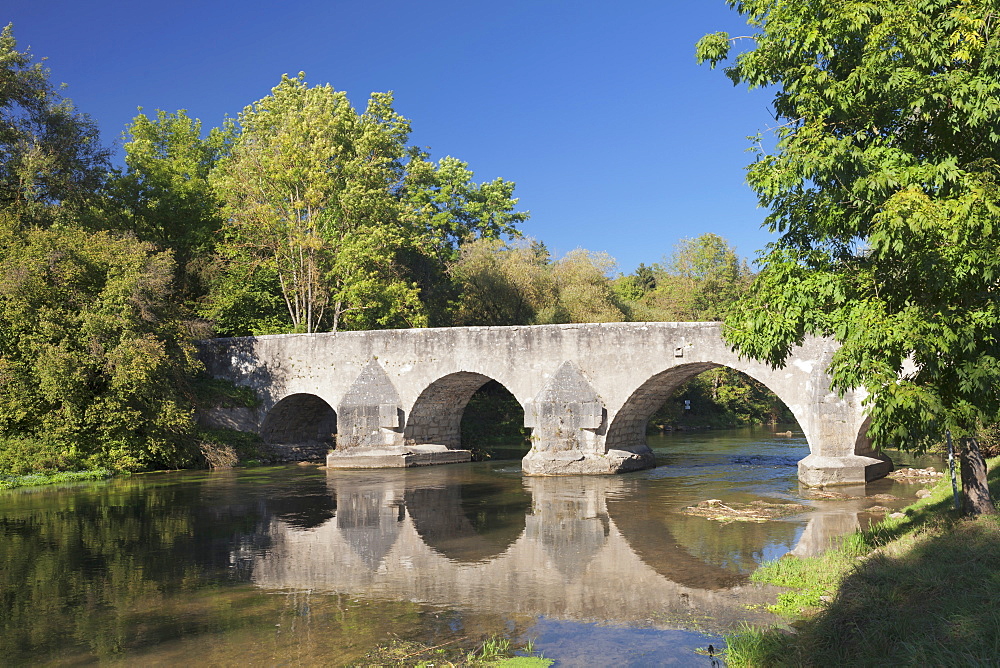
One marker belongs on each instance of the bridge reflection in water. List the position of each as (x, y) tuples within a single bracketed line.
[(579, 548)]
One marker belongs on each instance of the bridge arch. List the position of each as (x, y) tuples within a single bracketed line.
[(436, 416), (299, 418), (628, 428)]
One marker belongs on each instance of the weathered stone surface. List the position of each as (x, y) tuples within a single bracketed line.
[(238, 418), (436, 416), (626, 370), (820, 471), (568, 420), (300, 419), (396, 457), (368, 414)]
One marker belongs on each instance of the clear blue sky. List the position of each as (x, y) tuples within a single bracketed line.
[(616, 139)]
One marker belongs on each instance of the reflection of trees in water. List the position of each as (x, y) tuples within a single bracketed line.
[(158, 559), (308, 504), (84, 566)]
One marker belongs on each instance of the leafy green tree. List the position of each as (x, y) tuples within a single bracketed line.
[(584, 287), (502, 283), (445, 210), (708, 274), (356, 227), (95, 364), (700, 280), (307, 195), (450, 209), (883, 186), (163, 194), (51, 159)]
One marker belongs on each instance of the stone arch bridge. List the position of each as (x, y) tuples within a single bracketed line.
[(396, 397)]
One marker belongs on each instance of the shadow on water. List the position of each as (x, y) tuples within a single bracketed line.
[(291, 564)]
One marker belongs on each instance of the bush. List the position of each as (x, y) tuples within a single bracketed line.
[(95, 361), (225, 448), (27, 454)]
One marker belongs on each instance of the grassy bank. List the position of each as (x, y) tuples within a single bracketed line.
[(36, 479), (919, 590)]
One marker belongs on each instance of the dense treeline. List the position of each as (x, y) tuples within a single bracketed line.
[(304, 214)]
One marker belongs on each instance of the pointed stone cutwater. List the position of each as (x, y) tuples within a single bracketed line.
[(569, 425), (370, 428)]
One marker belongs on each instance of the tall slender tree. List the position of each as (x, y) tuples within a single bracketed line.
[(308, 194), (354, 226)]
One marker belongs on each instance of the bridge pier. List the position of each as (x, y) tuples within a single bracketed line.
[(819, 471), (569, 423), (370, 434)]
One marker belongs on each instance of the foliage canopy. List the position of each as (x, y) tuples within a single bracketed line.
[(883, 186), (50, 154), (95, 367), (349, 221)]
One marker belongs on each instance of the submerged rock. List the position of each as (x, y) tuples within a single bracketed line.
[(916, 475), (755, 511)]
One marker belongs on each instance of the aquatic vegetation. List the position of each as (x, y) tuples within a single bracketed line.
[(495, 651), (36, 479)]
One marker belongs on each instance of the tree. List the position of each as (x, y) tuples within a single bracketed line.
[(502, 283), (50, 154), (308, 194), (584, 287), (700, 280), (352, 223), (95, 364), (883, 186), (163, 196), (709, 274), (518, 284), (446, 210)]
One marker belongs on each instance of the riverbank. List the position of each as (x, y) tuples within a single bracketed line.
[(920, 589), (38, 479)]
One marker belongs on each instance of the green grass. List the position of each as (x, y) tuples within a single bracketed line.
[(36, 479), (919, 590)]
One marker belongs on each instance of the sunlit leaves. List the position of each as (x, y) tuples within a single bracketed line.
[(51, 160), (163, 195), (349, 225), (308, 193), (93, 359), (882, 187)]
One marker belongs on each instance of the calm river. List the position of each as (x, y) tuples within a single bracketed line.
[(298, 566)]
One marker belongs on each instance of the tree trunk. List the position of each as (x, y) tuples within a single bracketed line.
[(975, 491)]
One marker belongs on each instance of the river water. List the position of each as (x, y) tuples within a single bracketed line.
[(299, 566)]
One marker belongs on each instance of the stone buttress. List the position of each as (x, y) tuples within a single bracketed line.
[(370, 424)]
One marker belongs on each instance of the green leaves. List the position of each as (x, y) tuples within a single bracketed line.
[(883, 189), (93, 358), (352, 227), (52, 158)]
